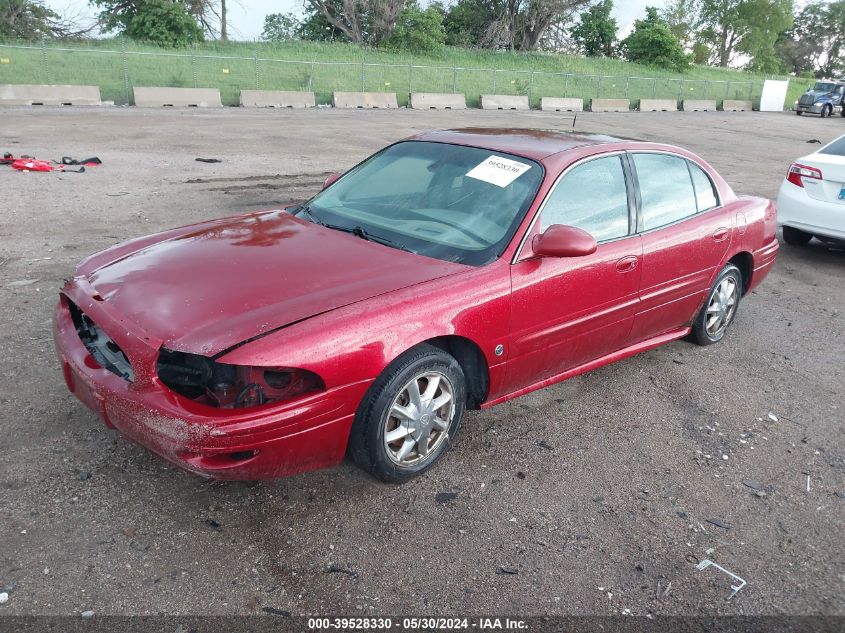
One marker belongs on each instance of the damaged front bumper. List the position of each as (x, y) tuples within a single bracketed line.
[(273, 440)]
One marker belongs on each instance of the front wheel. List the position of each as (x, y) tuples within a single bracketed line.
[(826, 111), (798, 112), (719, 310), (409, 415)]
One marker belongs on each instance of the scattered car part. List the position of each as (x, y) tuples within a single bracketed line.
[(709, 563)]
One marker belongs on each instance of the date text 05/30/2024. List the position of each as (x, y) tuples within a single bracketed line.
[(423, 623)]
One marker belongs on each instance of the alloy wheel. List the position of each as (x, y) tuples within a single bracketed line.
[(721, 307), (418, 420)]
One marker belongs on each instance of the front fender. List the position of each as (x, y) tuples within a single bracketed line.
[(355, 343)]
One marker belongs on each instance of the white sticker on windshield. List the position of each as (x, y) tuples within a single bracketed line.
[(498, 171)]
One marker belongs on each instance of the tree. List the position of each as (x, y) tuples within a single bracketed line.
[(510, 24), (681, 16), (539, 15), (210, 17), (595, 32), (816, 42), (418, 31), (31, 20), (748, 27), (314, 25), (652, 42), (466, 22), (279, 27), (360, 21), (163, 22)]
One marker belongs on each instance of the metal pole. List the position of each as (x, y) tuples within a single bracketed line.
[(627, 82), (257, 77), (311, 79), (455, 79), (530, 88), (566, 85), (494, 81), (680, 89), (362, 76), (654, 88), (194, 65), (125, 73), (410, 81), (44, 58)]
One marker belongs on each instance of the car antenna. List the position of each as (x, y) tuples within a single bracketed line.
[(574, 118)]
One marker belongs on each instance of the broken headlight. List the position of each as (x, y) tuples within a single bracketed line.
[(232, 386)]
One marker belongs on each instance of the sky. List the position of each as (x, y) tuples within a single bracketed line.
[(246, 17)]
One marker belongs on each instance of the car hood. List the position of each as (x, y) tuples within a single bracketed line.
[(224, 282)]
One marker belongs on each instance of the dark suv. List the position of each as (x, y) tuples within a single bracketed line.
[(823, 99)]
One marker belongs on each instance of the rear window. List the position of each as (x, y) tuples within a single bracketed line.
[(837, 148)]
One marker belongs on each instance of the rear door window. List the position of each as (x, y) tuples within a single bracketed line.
[(705, 191), (665, 188)]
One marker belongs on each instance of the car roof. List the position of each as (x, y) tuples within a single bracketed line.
[(530, 143)]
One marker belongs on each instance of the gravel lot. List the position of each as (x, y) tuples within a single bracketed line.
[(596, 492)]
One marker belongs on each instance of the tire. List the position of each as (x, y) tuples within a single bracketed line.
[(842, 110), (720, 308), (402, 459), (825, 111), (795, 237), (798, 112)]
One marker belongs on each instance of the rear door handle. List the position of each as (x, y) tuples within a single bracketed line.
[(626, 264), (720, 234)]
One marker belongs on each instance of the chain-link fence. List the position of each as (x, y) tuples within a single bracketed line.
[(116, 71)]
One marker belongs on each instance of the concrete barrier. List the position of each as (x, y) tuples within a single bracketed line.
[(504, 102), (698, 105), (556, 104), (385, 100), (729, 105), (610, 105), (658, 105), (155, 97), (438, 101), (276, 99), (24, 94)]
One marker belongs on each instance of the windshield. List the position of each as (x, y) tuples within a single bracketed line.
[(822, 86), (454, 203)]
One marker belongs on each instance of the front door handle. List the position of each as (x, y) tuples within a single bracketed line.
[(720, 234), (627, 264)]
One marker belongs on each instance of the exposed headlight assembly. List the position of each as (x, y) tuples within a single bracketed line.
[(232, 386)]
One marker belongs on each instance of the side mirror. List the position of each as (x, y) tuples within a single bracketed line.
[(331, 179), (564, 241)]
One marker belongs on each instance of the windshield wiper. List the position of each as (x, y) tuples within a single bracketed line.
[(304, 208), (357, 231)]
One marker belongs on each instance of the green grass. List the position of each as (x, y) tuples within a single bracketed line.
[(116, 65)]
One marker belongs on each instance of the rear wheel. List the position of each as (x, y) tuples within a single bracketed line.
[(719, 310), (410, 415), (795, 237)]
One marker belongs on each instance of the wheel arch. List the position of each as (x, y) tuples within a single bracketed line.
[(745, 263), (472, 362)]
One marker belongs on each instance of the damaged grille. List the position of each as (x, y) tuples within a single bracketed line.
[(807, 100), (105, 351)]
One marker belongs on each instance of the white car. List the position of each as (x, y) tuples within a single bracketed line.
[(811, 201)]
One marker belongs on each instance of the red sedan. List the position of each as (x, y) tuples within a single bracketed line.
[(453, 270)]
